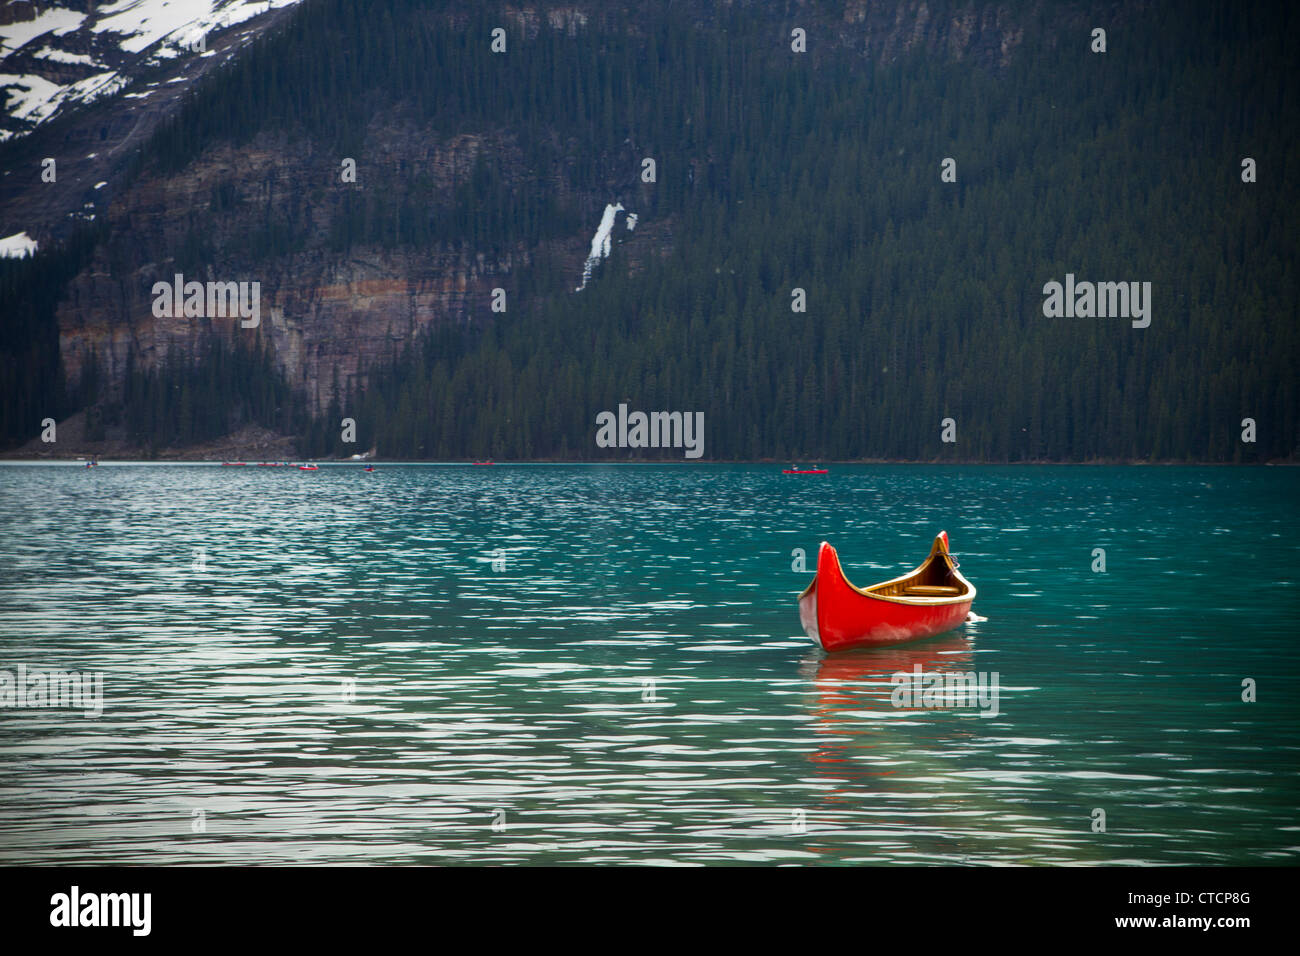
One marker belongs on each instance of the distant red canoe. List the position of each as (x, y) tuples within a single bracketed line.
[(805, 471), (930, 600), (309, 468), (234, 464), (482, 462)]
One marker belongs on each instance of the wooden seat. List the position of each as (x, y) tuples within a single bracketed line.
[(931, 590)]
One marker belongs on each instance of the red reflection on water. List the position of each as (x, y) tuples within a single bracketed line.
[(851, 682)]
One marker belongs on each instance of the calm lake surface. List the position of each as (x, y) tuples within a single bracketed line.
[(567, 664)]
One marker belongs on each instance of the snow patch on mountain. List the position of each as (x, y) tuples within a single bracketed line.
[(36, 99), (602, 241), (111, 44), (17, 246), (14, 36), (27, 94), (62, 56), (180, 22)]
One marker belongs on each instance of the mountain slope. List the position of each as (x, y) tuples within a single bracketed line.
[(56, 56), (776, 171)]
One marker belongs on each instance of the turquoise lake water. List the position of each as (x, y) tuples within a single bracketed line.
[(567, 664)]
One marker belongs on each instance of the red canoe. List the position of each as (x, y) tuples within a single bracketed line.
[(930, 600)]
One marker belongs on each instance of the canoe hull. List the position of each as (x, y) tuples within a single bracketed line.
[(838, 616)]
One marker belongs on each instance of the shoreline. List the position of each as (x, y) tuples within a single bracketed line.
[(292, 462)]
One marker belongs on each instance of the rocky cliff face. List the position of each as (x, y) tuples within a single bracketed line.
[(324, 313)]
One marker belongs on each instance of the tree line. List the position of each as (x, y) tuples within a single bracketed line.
[(778, 172)]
